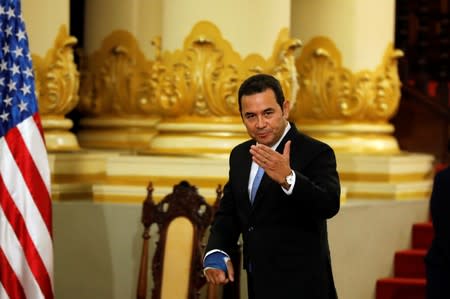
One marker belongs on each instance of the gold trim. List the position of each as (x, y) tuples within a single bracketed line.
[(83, 196), (139, 199), (123, 199), (419, 195), (200, 182), (194, 154), (79, 178), (383, 177), (193, 151), (131, 138)]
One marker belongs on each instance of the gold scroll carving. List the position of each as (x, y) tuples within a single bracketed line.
[(185, 102), (116, 96), (57, 83), (188, 96), (196, 90), (350, 111)]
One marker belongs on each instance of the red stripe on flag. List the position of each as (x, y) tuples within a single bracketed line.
[(31, 175), (9, 279), (32, 255)]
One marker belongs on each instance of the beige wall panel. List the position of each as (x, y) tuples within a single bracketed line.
[(360, 29), (43, 19), (140, 17), (251, 26)]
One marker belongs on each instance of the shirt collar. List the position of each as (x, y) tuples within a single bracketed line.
[(288, 127)]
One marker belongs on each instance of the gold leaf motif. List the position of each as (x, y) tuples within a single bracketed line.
[(57, 78), (199, 80), (330, 92), (113, 78)]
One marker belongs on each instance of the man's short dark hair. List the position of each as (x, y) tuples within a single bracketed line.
[(260, 83)]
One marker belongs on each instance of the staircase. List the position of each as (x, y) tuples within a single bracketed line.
[(409, 268)]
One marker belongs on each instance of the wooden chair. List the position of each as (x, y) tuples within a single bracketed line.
[(182, 218)]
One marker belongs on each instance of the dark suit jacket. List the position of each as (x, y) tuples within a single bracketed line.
[(438, 256), (285, 237)]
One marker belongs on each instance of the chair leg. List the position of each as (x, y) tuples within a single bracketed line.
[(142, 279)]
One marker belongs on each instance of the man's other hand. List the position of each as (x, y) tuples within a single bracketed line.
[(218, 276)]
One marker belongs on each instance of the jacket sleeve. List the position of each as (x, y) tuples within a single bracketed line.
[(317, 184), (224, 232)]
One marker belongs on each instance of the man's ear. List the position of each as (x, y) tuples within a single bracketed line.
[(286, 109)]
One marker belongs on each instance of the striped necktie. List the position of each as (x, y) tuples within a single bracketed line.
[(256, 181)]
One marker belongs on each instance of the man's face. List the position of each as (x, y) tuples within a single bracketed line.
[(263, 117)]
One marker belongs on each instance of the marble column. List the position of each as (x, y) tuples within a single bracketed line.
[(116, 63), (349, 90), (349, 85), (201, 70)]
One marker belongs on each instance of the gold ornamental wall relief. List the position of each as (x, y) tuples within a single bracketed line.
[(115, 95), (190, 93), (350, 111), (196, 88), (57, 83)]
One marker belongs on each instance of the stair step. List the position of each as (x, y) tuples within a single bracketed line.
[(400, 288), (422, 235), (410, 263)]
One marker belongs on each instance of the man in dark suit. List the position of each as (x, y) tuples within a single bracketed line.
[(284, 229), (438, 257)]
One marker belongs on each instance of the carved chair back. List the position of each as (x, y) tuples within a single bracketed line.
[(181, 218)]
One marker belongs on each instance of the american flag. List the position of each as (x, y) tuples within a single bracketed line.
[(26, 249)]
